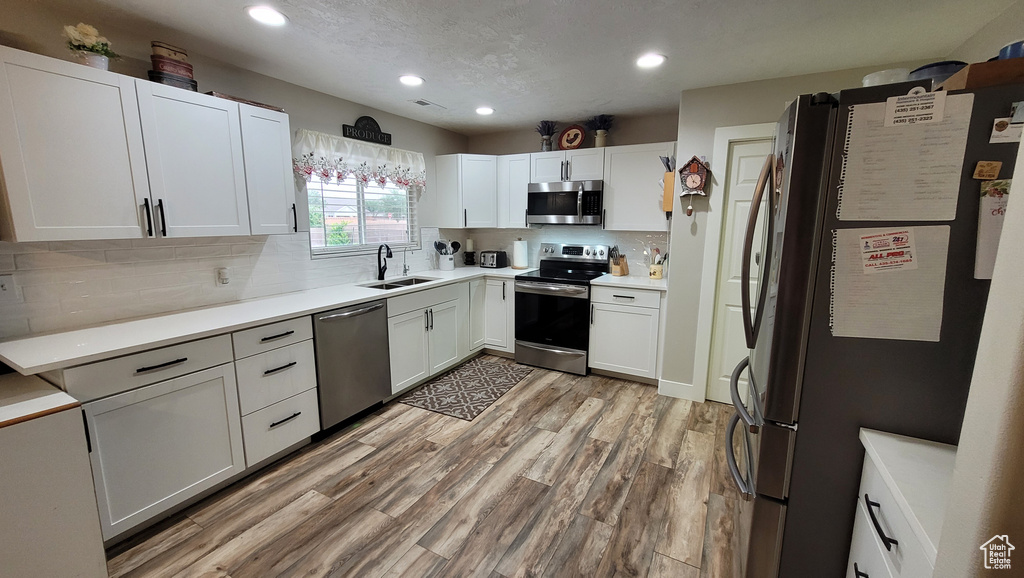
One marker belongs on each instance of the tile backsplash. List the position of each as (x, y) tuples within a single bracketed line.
[(67, 285), (630, 242)]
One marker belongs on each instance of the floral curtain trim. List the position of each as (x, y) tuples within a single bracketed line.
[(333, 159)]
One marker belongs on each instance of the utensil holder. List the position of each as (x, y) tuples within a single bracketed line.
[(446, 262), (622, 269), (657, 271)]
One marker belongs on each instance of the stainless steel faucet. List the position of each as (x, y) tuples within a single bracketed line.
[(405, 266), (382, 264)]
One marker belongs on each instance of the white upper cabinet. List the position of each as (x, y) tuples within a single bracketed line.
[(266, 146), (71, 151), (194, 155), (585, 164), (575, 165), (632, 193), (513, 180), (466, 191)]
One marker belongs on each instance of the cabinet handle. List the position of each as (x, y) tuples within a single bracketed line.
[(886, 541), (282, 368), (857, 573), (502, 290), (149, 218), (604, 217), (568, 170), (426, 321), (286, 420), (160, 366), (526, 218), (278, 336), (465, 218), (431, 319), (630, 297), (163, 217), (591, 314), (295, 219)]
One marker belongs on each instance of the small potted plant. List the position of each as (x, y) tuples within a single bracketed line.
[(600, 124), (546, 128), (86, 42)]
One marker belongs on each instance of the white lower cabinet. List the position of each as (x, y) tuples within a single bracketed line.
[(499, 317), (278, 426), (407, 343), (477, 313), (425, 341), (866, 555), (624, 329), (156, 446), (443, 336)]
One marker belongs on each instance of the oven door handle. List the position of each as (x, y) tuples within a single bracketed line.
[(572, 291)]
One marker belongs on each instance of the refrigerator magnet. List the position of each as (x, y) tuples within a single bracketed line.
[(1004, 131), (987, 170)]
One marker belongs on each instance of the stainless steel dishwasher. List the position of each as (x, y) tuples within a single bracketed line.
[(352, 363)]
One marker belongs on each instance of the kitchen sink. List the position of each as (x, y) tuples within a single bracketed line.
[(398, 283)]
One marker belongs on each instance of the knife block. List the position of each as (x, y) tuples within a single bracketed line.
[(622, 269)]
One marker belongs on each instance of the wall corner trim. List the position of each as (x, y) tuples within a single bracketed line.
[(680, 390)]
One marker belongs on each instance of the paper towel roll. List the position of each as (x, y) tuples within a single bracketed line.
[(519, 258)]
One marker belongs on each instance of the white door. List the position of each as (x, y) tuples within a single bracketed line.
[(585, 164), (513, 180), (194, 154), (267, 151), (728, 347), (479, 203), (499, 295), (632, 187), (71, 143), (477, 313), (624, 339), (547, 167), (156, 446), (443, 335), (407, 342)]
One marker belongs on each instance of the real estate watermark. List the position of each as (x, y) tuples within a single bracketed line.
[(997, 552)]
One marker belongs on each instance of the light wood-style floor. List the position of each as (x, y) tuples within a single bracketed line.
[(563, 476)]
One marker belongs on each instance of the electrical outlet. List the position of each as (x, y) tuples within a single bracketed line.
[(8, 290)]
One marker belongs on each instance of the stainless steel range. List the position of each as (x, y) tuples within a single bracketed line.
[(553, 307)]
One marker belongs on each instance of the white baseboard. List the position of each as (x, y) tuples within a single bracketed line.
[(680, 390)]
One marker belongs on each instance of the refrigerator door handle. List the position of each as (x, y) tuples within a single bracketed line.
[(734, 391), (763, 182), (730, 458)]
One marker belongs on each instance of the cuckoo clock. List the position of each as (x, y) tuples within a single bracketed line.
[(693, 175)]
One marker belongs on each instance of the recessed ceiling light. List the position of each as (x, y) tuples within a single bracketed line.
[(485, 110), (410, 80), (650, 60), (266, 15)]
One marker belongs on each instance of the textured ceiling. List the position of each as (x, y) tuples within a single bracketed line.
[(559, 59)]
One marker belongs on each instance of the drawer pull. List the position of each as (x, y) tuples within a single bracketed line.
[(282, 368), (857, 573), (161, 366), (630, 297), (278, 336), (286, 420), (887, 541)]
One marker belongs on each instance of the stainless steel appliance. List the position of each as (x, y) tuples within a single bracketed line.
[(352, 363), (565, 203), (493, 259), (553, 306), (803, 393)]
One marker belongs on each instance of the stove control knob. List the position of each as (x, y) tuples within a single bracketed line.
[(587, 252), (601, 253)]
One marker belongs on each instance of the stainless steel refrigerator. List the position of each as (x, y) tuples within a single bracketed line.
[(816, 373)]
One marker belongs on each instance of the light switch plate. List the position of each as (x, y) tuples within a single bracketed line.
[(8, 290)]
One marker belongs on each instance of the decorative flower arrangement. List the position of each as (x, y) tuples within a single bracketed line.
[(547, 127), (85, 38), (600, 122)]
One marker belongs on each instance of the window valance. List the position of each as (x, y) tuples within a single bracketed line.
[(333, 158)]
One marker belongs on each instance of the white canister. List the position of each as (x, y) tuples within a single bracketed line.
[(519, 255), (446, 262)]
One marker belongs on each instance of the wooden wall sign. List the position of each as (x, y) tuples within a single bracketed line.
[(367, 129)]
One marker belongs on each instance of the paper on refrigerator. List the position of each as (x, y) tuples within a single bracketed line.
[(903, 173), (903, 302)]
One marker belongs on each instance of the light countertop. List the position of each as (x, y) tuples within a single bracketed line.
[(918, 473), (36, 354), (23, 398), (634, 281)]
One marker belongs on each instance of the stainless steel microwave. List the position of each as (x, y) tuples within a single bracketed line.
[(565, 203)]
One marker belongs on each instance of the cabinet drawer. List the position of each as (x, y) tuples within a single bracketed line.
[(907, 558), (121, 374), (274, 428), (267, 337), (270, 377), (867, 555), (623, 296)]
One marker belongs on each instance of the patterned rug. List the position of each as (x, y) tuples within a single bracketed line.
[(467, 390)]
